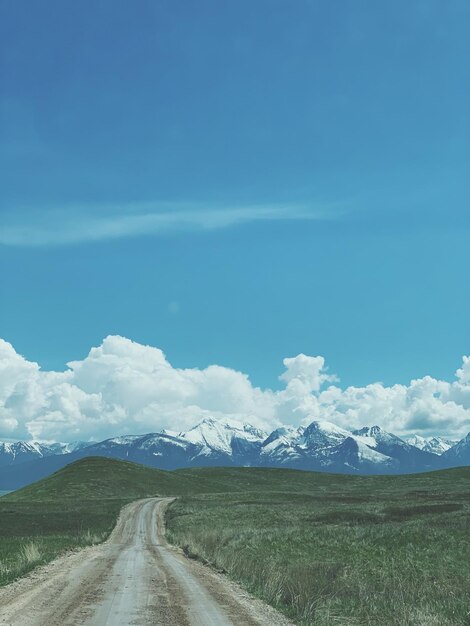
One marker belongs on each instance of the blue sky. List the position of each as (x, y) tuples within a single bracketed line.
[(237, 182)]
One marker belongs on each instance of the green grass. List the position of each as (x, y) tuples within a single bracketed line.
[(382, 551), (328, 550), (79, 505), (75, 507)]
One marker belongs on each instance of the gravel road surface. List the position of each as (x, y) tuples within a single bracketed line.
[(134, 578)]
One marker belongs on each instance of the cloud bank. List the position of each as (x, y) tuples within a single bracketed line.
[(123, 387)]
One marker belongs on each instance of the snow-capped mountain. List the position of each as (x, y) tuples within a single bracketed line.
[(227, 441), (282, 447), (321, 436), (410, 458), (24, 451), (354, 456), (435, 445), (21, 451), (155, 449), (321, 446)]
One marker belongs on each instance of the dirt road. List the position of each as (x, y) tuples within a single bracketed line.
[(134, 578)]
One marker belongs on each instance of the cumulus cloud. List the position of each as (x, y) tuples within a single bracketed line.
[(306, 371), (123, 387)]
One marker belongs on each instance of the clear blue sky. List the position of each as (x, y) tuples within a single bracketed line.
[(236, 182)]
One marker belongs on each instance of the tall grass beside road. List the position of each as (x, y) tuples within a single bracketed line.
[(33, 533), (383, 551), (76, 507)]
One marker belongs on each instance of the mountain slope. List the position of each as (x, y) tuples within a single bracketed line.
[(226, 441), (435, 445), (458, 454), (410, 458), (154, 449), (24, 451), (355, 456)]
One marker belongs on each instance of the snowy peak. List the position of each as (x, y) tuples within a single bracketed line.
[(374, 432), (411, 459), (356, 455), (284, 435), (323, 445), (21, 451), (322, 434), (282, 447), (223, 437), (151, 442), (434, 445), (219, 434), (377, 435)]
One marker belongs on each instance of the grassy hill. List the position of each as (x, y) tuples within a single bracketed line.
[(104, 478), (97, 478), (327, 549)]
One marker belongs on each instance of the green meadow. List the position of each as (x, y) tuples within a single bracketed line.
[(388, 551), (325, 549)]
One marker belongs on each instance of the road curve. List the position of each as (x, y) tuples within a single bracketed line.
[(134, 578)]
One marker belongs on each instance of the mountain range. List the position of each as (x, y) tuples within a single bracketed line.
[(321, 446)]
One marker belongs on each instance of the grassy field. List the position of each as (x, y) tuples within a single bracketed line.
[(343, 550), (79, 505), (75, 507), (326, 549)]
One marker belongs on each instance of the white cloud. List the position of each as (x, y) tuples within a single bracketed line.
[(123, 387), (463, 374), (304, 371), (75, 224)]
